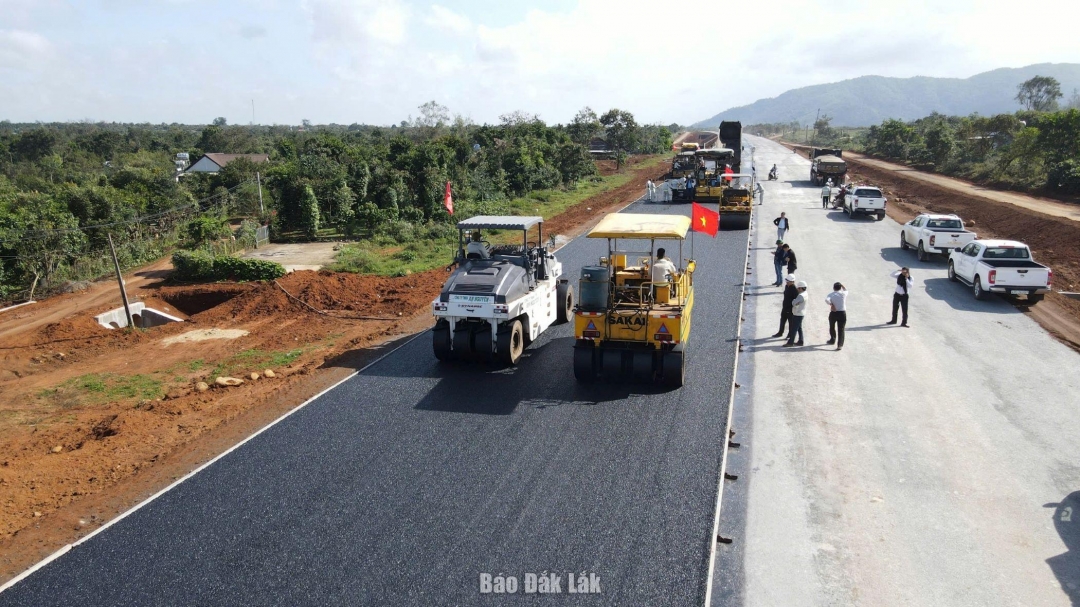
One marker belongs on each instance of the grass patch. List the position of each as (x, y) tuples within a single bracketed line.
[(254, 359), (97, 388), (381, 256)]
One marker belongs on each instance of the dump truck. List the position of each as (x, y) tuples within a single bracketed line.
[(628, 326), (500, 297), (827, 164), (731, 137)]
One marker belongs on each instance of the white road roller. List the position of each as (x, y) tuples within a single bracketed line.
[(500, 297)]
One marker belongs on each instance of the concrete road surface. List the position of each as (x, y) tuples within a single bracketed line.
[(412, 479), (931, 465)]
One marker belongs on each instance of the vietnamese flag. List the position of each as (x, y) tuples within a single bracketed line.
[(449, 200), (704, 220)]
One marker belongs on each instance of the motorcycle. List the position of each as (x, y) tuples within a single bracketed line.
[(772, 176)]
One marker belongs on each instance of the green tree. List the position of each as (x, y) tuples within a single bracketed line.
[(309, 213), (621, 131), (220, 121), (584, 126), (1039, 94), (940, 142)]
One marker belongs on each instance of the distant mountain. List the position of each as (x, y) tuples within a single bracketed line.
[(868, 100)]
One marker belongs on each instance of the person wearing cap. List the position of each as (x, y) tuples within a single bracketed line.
[(837, 301), (904, 284), (798, 311), (778, 262), (790, 293), (826, 194), (476, 249)]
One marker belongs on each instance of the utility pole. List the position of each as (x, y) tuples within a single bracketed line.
[(258, 180), (816, 118), (120, 281)]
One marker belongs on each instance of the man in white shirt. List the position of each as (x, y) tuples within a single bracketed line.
[(798, 311), (904, 284), (826, 194), (837, 301), (662, 269)]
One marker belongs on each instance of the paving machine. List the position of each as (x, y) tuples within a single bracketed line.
[(626, 326), (710, 165), (737, 201), (500, 297), (684, 164)]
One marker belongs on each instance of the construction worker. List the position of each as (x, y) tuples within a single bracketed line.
[(790, 293), (476, 249), (826, 195), (798, 312)]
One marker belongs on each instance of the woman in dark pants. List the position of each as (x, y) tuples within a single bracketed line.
[(837, 301)]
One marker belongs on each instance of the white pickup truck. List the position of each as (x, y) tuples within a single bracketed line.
[(866, 200), (1000, 266), (932, 234)]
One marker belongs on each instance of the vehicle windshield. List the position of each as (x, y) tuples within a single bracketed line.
[(948, 224), (1006, 253), (868, 192)]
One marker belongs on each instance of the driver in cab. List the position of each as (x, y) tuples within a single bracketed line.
[(476, 248), (662, 270)]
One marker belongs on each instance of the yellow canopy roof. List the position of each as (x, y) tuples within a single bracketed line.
[(640, 225)]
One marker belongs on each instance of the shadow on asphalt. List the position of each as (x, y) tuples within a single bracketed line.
[(1066, 566), (959, 296), (908, 259), (362, 357)]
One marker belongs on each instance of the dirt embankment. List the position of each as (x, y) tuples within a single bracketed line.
[(1053, 239), (93, 420)]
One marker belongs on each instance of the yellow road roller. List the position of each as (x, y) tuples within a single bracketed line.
[(632, 320)]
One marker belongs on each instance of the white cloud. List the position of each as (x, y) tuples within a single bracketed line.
[(357, 22), (447, 20), (22, 50)]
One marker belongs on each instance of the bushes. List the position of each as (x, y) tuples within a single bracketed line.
[(200, 265)]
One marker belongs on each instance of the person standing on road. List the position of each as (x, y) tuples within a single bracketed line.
[(798, 311), (826, 195), (778, 262), (789, 259), (904, 284), (790, 293), (759, 192), (837, 301), (783, 224)]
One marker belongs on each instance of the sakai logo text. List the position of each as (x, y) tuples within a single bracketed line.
[(630, 321), (540, 583)]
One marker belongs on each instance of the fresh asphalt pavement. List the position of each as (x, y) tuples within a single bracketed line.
[(931, 465), (407, 482)]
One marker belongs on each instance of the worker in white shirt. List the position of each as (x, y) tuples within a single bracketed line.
[(798, 311), (904, 284), (662, 269), (837, 301), (826, 195)]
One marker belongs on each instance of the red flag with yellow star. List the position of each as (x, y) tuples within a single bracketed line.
[(704, 220)]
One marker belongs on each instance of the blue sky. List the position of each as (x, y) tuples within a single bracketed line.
[(376, 61)]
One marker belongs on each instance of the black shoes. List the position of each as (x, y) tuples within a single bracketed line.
[(891, 322), (788, 345), (780, 334), (830, 342), (905, 325)]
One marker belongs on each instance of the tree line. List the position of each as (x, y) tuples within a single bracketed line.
[(65, 187)]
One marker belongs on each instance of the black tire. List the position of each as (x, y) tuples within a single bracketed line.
[(903, 242), (585, 361), (921, 252), (977, 289), (881, 216), (511, 342), (483, 349), (675, 368), (440, 341), (952, 273), (463, 345), (564, 300)]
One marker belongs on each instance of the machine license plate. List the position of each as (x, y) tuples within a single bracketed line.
[(1019, 292), (472, 299)]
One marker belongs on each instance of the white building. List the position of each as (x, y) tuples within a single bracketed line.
[(214, 162)]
